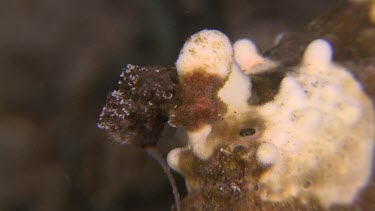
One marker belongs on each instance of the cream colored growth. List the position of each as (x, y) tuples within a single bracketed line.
[(319, 129), (249, 60), (236, 91), (207, 50), (323, 126)]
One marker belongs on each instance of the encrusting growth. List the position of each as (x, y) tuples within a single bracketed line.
[(312, 141), (295, 132)]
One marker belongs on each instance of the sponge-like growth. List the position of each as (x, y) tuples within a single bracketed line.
[(246, 54), (233, 93), (209, 51), (247, 57), (318, 54), (313, 139), (322, 125), (267, 154), (203, 66)]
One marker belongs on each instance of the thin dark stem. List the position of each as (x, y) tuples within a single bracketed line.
[(156, 155)]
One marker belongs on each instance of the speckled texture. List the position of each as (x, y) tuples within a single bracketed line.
[(228, 181), (136, 112)]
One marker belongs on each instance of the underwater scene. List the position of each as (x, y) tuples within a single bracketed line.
[(187, 105)]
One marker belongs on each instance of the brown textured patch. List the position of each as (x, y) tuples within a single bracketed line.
[(219, 180), (136, 112), (229, 131), (198, 102), (227, 181)]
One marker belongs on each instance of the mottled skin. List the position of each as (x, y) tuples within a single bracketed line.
[(198, 103)]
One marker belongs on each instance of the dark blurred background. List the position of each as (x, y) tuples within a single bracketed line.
[(58, 61)]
